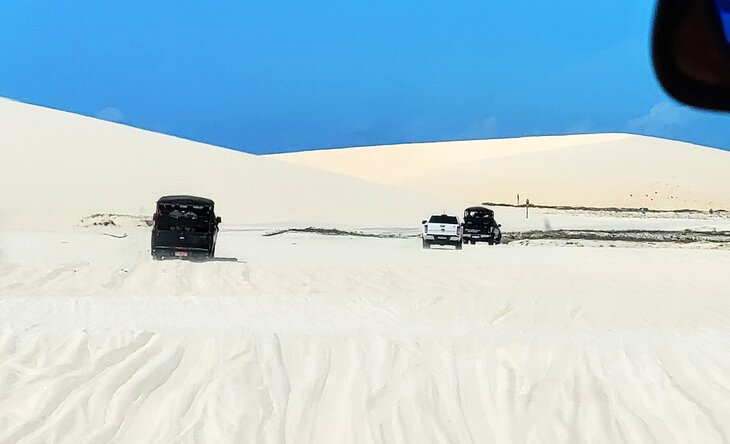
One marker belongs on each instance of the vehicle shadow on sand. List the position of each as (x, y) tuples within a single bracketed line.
[(202, 259)]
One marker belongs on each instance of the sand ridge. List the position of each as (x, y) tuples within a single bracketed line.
[(596, 169), (59, 168)]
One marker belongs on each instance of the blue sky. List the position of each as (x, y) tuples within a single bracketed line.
[(275, 76)]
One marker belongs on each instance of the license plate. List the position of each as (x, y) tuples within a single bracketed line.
[(181, 254)]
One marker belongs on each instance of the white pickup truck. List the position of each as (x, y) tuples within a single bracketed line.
[(441, 229)]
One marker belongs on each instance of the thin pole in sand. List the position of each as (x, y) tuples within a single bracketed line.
[(518, 199), (527, 208)]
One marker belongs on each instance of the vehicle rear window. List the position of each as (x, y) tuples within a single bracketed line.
[(183, 217), (184, 211), (443, 219)]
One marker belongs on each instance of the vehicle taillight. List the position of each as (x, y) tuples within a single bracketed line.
[(154, 216)]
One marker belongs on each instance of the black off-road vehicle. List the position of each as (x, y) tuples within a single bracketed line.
[(184, 227), (480, 226)]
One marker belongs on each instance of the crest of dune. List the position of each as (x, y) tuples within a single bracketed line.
[(59, 167), (590, 170)]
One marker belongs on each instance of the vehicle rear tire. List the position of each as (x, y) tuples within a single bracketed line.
[(458, 245), (473, 242), (465, 241), (426, 244)]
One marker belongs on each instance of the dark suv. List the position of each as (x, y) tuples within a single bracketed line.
[(480, 226), (184, 227)]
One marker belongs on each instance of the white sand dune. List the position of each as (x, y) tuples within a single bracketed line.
[(302, 338), (598, 170), (58, 167)]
